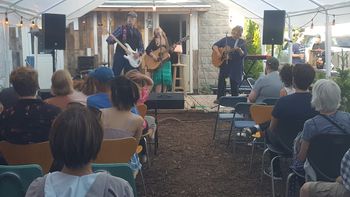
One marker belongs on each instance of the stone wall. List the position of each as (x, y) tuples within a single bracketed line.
[(212, 26)]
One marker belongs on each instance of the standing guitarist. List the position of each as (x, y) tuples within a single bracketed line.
[(126, 34), (232, 65)]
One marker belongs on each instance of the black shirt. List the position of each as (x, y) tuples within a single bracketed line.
[(29, 121)]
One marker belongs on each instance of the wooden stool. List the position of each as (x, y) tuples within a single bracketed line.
[(180, 78)]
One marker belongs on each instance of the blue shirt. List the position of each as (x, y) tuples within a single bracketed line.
[(319, 125), (298, 49), (101, 101)]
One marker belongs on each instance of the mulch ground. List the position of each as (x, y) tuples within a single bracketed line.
[(190, 163)]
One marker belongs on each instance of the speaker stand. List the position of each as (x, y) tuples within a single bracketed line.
[(272, 50), (53, 53)]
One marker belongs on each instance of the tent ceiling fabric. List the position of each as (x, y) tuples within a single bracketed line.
[(300, 11)]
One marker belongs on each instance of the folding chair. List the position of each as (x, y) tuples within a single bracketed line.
[(241, 110), (15, 179), (230, 102), (37, 153), (270, 101), (118, 151), (120, 170), (324, 155), (260, 114)]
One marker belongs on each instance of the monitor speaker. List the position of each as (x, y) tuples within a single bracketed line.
[(86, 62), (273, 29), (54, 30)]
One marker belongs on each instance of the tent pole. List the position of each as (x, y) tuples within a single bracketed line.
[(328, 46), (290, 50)]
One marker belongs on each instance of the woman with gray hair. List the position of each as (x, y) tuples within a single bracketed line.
[(326, 100)]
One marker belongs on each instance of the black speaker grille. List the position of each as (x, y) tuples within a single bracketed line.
[(273, 29), (54, 28)]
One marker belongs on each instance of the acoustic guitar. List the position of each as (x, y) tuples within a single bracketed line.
[(162, 55), (224, 55)]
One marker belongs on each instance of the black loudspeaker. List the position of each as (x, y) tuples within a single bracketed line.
[(273, 29), (54, 29), (86, 62), (166, 101)]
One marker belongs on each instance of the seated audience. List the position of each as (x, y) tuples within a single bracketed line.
[(8, 96), (88, 87), (102, 77), (124, 96), (326, 100), (286, 75), (29, 121), (291, 112), (267, 86), (63, 92), (75, 139), (339, 188)]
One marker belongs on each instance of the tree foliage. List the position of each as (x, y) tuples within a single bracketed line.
[(253, 39)]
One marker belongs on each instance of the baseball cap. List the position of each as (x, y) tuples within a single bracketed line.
[(132, 15), (102, 74)]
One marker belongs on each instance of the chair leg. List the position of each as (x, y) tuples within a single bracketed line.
[(262, 164), (216, 125), (229, 136), (143, 182), (272, 175), (147, 152), (288, 182), (252, 155)]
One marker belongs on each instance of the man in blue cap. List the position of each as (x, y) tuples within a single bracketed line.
[(126, 34), (102, 77)]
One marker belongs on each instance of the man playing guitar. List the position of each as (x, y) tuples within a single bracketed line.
[(233, 55), (130, 35)]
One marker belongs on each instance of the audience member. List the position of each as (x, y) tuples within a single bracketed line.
[(286, 75), (29, 121), (267, 86), (75, 139), (102, 77), (339, 188), (62, 89), (88, 87), (291, 112), (119, 118), (326, 98), (8, 96)]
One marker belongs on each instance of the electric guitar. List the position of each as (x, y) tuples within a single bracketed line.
[(130, 53), (162, 55)]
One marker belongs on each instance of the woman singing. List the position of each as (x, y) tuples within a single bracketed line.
[(162, 75)]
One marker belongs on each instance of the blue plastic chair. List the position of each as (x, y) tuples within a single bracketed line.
[(15, 179), (120, 170)]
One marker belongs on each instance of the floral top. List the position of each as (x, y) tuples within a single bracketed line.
[(29, 121)]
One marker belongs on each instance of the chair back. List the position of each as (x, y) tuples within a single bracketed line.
[(15, 179), (243, 108), (142, 109), (325, 154), (120, 170), (116, 150), (19, 154), (231, 101), (261, 113), (270, 101)]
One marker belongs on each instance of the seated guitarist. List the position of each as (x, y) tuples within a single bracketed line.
[(233, 67), (162, 75), (126, 34)]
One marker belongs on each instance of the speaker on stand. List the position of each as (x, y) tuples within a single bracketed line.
[(273, 27), (54, 31)]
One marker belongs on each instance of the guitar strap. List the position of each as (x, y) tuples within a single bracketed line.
[(124, 33)]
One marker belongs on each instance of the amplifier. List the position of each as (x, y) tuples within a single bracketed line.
[(166, 101)]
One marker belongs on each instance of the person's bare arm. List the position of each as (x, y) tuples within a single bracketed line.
[(252, 96), (303, 150), (139, 129)]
